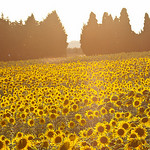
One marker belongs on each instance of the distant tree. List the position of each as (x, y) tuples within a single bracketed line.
[(89, 36), (32, 39), (125, 35), (53, 39), (107, 33), (30, 43), (5, 38), (145, 35), (116, 29)]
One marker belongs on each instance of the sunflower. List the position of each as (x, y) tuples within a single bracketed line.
[(91, 117), (40, 112), (119, 141), (71, 124), (50, 134), (22, 143), (82, 122), (45, 144), (141, 110), (12, 120), (31, 122), (132, 135), (100, 128), (94, 143), (23, 116), (30, 137), (78, 117), (75, 107), (96, 113), (87, 147), (53, 116), (73, 138), (58, 139), (125, 125), (65, 111), (133, 143), (2, 145), (118, 115), (103, 140), (141, 131), (42, 120), (90, 132), (145, 121), (108, 127), (65, 146), (103, 111), (83, 143), (50, 126), (89, 112), (113, 123), (83, 133), (121, 132), (66, 102), (111, 110), (19, 135), (136, 103), (127, 115), (3, 123)]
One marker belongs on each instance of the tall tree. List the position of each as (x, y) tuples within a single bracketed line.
[(145, 35), (125, 31), (89, 44), (5, 38), (53, 32), (30, 31), (107, 33)]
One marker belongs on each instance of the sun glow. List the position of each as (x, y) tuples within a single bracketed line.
[(74, 13)]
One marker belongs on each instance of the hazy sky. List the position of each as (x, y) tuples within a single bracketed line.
[(74, 13)]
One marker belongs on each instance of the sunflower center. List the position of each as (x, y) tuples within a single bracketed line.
[(136, 103), (108, 127), (103, 140), (71, 124), (45, 144), (50, 134), (89, 132), (125, 126), (1, 144), (100, 129), (65, 110), (121, 132), (134, 143), (144, 120), (139, 131), (22, 143), (133, 136), (58, 139)]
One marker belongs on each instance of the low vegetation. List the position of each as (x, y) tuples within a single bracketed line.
[(76, 103)]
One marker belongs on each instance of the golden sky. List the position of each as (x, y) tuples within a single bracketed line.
[(74, 13)]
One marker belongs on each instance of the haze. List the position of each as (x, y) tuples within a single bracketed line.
[(74, 13)]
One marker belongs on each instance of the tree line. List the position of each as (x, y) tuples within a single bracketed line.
[(32, 39), (114, 35)]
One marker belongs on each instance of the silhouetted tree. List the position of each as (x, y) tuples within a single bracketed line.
[(107, 33), (145, 35), (5, 32), (53, 37), (109, 37), (18, 40), (125, 32), (89, 36), (30, 41)]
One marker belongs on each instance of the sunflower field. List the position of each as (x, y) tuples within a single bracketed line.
[(88, 103)]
